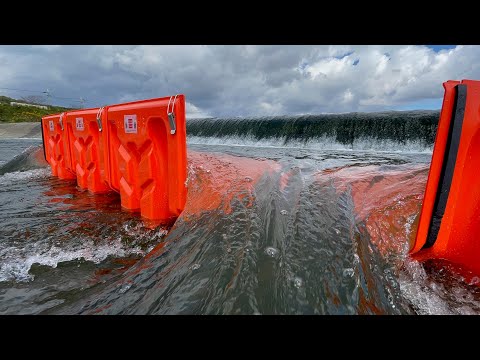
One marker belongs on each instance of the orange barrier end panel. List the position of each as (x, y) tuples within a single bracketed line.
[(147, 156), (86, 143), (55, 144), (454, 221), (441, 137)]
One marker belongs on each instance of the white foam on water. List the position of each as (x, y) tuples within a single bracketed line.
[(431, 297), (320, 143), (16, 176), (16, 264), (140, 232), (248, 141)]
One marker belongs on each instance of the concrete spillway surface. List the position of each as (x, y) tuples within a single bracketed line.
[(20, 130)]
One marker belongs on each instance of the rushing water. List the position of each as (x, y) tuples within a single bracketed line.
[(309, 225)]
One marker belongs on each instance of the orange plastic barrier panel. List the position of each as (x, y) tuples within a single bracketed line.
[(450, 218), (55, 143), (147, 156), (443, 130), (87, 148)]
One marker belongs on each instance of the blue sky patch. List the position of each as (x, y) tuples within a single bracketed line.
[(437, 48), (344, 55), (423, 104)]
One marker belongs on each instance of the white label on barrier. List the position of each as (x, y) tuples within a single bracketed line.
[(51, 125), (130, 122), (79, 124)]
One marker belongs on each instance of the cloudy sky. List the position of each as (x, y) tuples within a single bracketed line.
[(242, 80)]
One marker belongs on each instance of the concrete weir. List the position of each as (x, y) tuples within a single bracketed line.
[(20, 130)]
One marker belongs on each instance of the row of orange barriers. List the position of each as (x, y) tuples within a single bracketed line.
[(137, 149)]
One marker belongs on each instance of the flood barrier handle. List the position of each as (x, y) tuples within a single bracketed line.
[(99, 119), (61, 120), (171, 115)]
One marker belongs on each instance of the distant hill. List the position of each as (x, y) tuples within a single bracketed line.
[(17, 113)]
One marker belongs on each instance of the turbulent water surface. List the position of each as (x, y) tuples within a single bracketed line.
[(303, 215)]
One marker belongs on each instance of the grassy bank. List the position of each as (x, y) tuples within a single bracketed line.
[(15, 114)]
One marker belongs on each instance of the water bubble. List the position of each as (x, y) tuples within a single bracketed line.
[(248, 179), (337, 231), (229, 250), (271, 251), (390, 298), (475, 281), (124, 288), (348, 272), (195, 266), (284, 212), (465, 310), (208, 171), (297, 282), (356, 259)]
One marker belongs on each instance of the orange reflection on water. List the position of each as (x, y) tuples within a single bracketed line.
[(215, 179), (388, 201)]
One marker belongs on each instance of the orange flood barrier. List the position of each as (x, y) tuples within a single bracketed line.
[(147, 155), (55, 144), (449, 222), (86, 143), (137, 149)]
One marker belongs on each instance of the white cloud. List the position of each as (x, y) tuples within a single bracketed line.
[(193, 111), (47, 47), (241, 80), (347, 96), (330, 67)]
